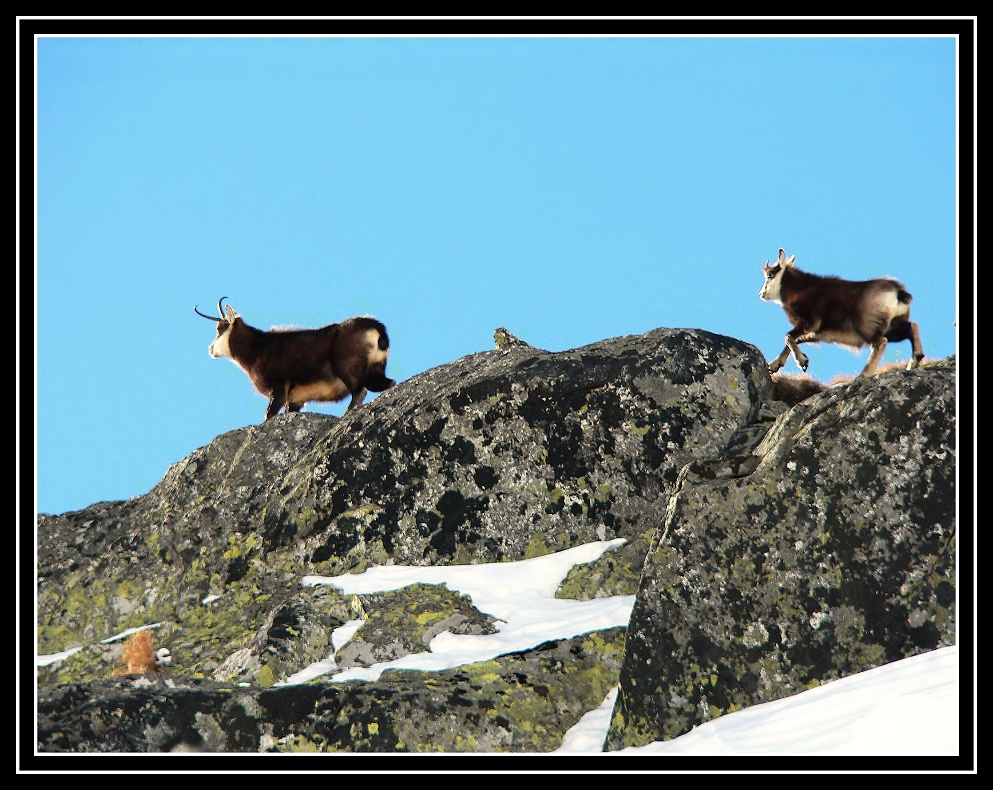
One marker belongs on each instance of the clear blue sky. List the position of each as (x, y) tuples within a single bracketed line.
[(569, 189)]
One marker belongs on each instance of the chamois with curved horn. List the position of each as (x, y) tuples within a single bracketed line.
[(830, 309), (292, 367)]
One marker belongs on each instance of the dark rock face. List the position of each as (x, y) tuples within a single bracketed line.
[(159, 557), (518, 703), (145, 713), (834, 555), (498, 456), (772, 546), (509, 454)]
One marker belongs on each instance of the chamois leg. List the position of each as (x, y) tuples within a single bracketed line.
[(275, 404), (915, 339), (877, 353), (286, 399), (779, 361), (357, 398), (793, 341), (290, 404)]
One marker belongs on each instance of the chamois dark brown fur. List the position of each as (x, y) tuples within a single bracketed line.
[(830, 309), (794, 389), (292, 367)]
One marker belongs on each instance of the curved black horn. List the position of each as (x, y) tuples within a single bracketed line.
[(209, 317), (220, 311)]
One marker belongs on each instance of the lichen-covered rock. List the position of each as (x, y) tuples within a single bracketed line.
[(832, 553), (180, 555), (147, 713), (777, 538), (295, 634), (505, 339), (401, 622), (520, 702), (616, 572), (511, 454), (498, 456)]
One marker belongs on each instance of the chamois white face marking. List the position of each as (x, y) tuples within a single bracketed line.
[(770, 291), (221, 347)]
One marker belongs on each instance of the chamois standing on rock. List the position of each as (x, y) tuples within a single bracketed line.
[(853, 314), (294, 366)]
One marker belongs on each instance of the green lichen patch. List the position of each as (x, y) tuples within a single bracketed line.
[(615, 572), (404, 621), (521, 702), (244, 636)]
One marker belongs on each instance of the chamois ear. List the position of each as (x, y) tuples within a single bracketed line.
[(229, 314), (783, 261)]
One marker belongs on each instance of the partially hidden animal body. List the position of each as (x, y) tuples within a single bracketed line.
[(292, 367), (833, 310), (139, 655)]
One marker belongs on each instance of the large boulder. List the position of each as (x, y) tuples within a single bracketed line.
[(831, 551), (779, 534), (501, 455)]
